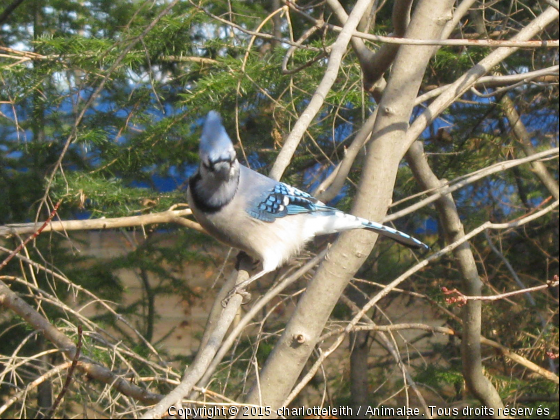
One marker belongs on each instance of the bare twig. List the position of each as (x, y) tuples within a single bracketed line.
[(488, 225), (298, 339), (443, 42), (495, 81), (449, 331), (37, 233), (79, 288), (258, 306), (448, 187), (461, 298), (469, 78), (68, 376), (348, 160), (451, 247), (510, 269), (335, 59), (35, 383), (13, 302), (524, 138), (249, 32)]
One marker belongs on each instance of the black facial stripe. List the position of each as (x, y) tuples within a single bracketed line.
[(199, 201)]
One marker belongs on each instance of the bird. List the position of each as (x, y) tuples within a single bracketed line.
[(267, 219)]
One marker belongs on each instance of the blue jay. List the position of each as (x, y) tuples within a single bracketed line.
[(269, 220)]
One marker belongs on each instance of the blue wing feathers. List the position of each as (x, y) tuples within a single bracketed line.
[(284, 200)]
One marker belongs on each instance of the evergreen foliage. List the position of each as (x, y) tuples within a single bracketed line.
[(136, 146)]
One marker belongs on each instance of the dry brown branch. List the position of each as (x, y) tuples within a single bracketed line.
[(17, 305), (506, 352), (35, 383), (80, 289), (462, 299), (68, 376), (170, 216), (441, 42)]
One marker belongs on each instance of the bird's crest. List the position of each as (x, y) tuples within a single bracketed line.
[(215, 144)]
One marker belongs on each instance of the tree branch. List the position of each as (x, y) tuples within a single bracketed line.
[(488, 43), (36, 233), (348, 160), (449, 248), (525, 140), (506, 352), (9, 9), (170, 216), (338, 49), (13, 302), (344, 258), (255, 309), (471, 353), (205, 355), (495, 81), (462, 298), (468, 79), (447, 187)]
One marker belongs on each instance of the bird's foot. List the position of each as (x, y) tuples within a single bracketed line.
[(237, 290)]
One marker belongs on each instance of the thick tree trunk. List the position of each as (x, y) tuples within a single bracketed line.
[(286, 362)]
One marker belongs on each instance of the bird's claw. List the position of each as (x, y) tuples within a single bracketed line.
[(244, 293)]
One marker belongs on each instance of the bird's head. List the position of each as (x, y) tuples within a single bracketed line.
[(217, 155)]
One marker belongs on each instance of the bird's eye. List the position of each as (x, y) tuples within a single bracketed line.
[(208, 165)]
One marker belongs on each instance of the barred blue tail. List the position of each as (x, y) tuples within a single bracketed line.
[(396, 235)]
